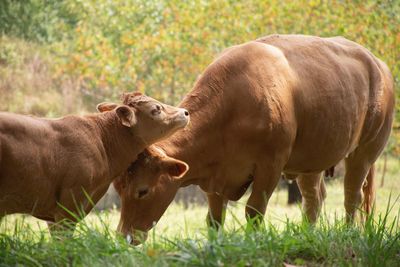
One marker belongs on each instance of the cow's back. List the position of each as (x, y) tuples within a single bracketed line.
[(21, 136)]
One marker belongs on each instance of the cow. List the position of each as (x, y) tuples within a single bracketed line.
[(291, 104), (57, 169)]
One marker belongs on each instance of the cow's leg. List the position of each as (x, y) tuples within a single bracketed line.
[(265, 181), (356, 171), (216, 210), (313, 192), (358, 164)]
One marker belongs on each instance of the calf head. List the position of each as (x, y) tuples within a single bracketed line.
[(146, 189), (148, 118)]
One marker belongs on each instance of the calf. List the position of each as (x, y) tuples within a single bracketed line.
[(55, 169)]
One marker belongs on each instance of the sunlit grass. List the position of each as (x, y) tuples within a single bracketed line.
[(330, 242), (182, 238)]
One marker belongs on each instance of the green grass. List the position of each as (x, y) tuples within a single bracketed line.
[(182, 239)]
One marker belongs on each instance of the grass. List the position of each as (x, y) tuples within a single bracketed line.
[(182, 239)]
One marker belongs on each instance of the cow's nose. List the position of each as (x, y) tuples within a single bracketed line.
[(136, 239), (186, 113)]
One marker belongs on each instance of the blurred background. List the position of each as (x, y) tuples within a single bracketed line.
[(65, 56)]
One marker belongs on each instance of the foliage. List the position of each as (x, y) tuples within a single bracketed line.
[(38, 20), (161, 47), (27, 81)]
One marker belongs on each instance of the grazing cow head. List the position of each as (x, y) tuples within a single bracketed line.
[(146, 190), (148, 118)]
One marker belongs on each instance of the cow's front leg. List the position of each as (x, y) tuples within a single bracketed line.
[(216, 210), (265, 181)]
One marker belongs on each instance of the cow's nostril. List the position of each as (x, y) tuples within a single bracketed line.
[(186, 113)]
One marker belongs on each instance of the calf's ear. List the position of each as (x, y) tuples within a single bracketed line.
[(126, 115), (106, 106), (175, 168)]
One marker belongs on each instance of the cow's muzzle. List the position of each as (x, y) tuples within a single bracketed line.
[(137, 238)]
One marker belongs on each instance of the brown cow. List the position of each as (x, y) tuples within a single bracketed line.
[(49, 166), (284, 103)]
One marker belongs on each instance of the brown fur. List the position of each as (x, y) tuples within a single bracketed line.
[(49, 165), (288, 104)]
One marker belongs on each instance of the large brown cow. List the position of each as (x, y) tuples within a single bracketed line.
[(284, 103), (50, 167)]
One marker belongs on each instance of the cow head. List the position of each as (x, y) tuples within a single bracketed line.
[(148, 118), (146, 189)]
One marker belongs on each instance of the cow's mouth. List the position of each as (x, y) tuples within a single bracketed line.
[(138, 238)]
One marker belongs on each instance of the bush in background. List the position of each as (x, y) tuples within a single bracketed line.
[(96, 49)]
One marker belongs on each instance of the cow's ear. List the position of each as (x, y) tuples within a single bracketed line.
[(106, 106), (176, 169), (126, 115)]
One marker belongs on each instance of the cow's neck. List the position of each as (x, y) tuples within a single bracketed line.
[(121, 147), (180, 147), (195, 144)]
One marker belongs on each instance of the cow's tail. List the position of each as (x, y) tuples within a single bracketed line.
[(369, 191)]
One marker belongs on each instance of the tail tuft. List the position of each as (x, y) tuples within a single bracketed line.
[(369, 191)]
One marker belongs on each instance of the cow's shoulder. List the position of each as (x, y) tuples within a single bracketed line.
[(241, 57)]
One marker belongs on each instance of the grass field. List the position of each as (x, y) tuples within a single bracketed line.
[(182, 238)]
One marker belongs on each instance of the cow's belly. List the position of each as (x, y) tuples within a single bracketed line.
[(35, 204), (239, 179), (321, 149), (231, 178)]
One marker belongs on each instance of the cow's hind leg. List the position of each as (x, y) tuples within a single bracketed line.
[(356, 171), (358, 164), (216, 210), (312, 188)]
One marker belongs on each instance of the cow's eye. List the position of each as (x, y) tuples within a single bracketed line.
[(142, 193)]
